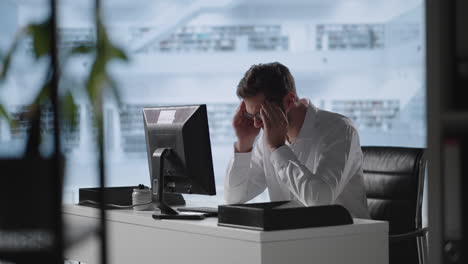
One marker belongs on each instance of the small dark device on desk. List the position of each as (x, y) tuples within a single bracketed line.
[(281, 215), (119, 197), (179, 155), (208, 211)]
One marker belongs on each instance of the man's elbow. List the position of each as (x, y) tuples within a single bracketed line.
[(323, 196), (231, 198)]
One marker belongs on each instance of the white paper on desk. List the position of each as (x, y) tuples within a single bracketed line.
[(166, 116), (191, 213)]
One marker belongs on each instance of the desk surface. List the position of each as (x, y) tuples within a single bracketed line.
[(209, 226), (135, 235)]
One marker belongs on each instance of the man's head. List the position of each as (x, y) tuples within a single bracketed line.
[(266, 83)]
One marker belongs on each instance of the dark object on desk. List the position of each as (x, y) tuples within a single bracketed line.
[(271, 216), (208, 211), (394, 183), (120, 196), (181, 216)]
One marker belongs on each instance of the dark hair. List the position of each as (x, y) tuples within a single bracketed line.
[(272, 79)]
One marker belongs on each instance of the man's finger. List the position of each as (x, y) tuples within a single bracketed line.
[(246, 122), (240, 111), (281, 114), (265, 118), (242, 106), (266, 111), (273, 113), (263, 114)]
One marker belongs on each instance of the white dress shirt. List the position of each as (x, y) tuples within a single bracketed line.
[(323, 166)]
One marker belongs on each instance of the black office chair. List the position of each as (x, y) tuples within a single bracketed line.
[(394, 182)]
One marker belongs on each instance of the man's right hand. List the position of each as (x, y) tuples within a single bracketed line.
[(245, 130)]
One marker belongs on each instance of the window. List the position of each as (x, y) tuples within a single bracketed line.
[(363, 59)]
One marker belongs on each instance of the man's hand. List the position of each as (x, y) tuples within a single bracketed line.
[(275, 125), (245, 130)]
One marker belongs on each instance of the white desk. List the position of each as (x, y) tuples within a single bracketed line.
[(135, 237)]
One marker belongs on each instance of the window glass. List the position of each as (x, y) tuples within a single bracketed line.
[(364, 59)]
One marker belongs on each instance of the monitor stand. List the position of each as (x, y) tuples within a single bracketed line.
[(167, 212)]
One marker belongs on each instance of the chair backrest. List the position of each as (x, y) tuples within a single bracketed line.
[(394, 180)]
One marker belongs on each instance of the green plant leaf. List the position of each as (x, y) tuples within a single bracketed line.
[(95, 83), (109, 50), (98, 78), (6, 115), (41, 38), (102, 33), (82, 49), (7, 59), (6, 65), (118, 54), (115, 90), (3, 112), (70, 109), (41, 97)]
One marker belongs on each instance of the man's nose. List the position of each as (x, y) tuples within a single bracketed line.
[(258, 122)]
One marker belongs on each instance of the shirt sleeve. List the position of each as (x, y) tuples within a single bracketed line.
[(245, 177), (338, 160)]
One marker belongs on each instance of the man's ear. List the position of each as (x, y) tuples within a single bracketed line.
[(289, 101)]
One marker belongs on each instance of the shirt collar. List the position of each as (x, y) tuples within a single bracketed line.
[(308, 124)]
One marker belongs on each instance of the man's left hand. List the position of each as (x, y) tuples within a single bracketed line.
[(275, 125)]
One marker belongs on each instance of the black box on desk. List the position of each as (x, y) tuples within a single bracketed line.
[(114, 195), (121, 196), (278, 216)]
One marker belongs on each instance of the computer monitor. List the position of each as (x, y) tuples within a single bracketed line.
[(179, 153)]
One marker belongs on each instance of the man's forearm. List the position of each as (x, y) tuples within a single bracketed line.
[(244, 179)]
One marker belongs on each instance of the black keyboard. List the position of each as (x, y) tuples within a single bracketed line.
[(212, 211)]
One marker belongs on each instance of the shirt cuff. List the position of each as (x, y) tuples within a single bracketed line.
[(241, 158), (281, 156), (240, 154)]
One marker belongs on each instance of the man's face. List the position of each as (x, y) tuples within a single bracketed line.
[(253, 105)]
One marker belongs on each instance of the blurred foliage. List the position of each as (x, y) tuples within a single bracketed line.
[(4, 113), (5, 66), (40, 35), (97, 78)]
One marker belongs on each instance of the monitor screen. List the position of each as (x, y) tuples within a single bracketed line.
[(184, 132)]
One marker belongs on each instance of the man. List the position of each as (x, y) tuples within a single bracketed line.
[(304, 154)]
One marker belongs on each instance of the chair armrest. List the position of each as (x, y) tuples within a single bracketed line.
[(413, 234)]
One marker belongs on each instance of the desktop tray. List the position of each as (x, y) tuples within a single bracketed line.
[(121, 196), (279, 216)]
